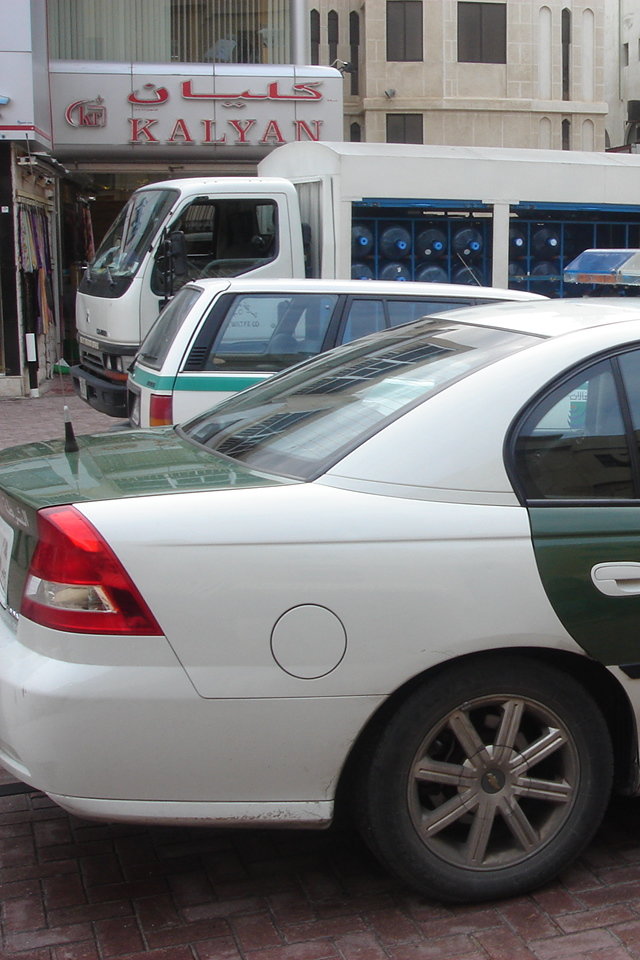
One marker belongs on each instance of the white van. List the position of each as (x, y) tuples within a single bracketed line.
[(220, 336)]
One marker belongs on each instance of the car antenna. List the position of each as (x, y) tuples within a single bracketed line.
[(70, 442)]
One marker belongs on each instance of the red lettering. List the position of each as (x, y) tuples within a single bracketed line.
[(302, 125), (140, 128), (209, 131), (272, 133), (180, 133), (243, 127)]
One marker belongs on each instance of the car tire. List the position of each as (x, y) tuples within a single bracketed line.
[(488, 780)]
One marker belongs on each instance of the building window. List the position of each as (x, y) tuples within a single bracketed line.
[(404, 128), (355, 133), (354, 50), (332, 35), (482, 32), (566, 134), (566, 54), (314, 35), (161, 31), (404, 30)]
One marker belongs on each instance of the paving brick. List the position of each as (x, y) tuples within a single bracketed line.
[(191, 888), (86, 950), (447, 948), (317, 950), (557, 901), (527, 919), (319, 885), (101, 870), (154, 913), (559, 948), (320, 929), (605, 895), (119, 937), (590, 919), (618, 953), (462, 921), (223, 908), (629, 934), (363, 946), (91, 912), (52, 832), (32, 870), (24, 913), (172, 953), (392, 926), (255, 932), (187, 933), (49, 936), (222, 948), (65, 891), (503, 944), (126, 891), (291, 907), (15, 850)]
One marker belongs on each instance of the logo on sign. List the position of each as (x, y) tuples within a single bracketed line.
[(86, 113)]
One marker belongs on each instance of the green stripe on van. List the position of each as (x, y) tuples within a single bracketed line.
[(225, 382), (201, 383)]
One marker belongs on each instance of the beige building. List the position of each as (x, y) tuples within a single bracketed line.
[(510, 73)]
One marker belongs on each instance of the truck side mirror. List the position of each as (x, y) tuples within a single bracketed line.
[(177, 249)]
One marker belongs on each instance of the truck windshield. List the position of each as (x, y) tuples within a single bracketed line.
[(122, 251)]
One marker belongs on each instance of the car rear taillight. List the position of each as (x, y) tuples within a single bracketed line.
[(76, 582), (160, 410)]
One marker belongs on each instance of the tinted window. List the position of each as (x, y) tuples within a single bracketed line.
[(404, 311), (156, 344), (364, 316), (573, 445), (300, 423), (270, 332)]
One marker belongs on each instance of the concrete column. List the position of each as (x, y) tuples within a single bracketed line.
[(299, 32), (500, 256)]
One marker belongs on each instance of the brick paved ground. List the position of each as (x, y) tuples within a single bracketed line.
[(75, 890)]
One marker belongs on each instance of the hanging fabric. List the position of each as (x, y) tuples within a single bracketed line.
[(35, 259)]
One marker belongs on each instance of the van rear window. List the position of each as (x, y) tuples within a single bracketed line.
[(157, 343)]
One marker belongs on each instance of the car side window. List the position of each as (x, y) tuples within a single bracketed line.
[(630, 370), (406, 311), (364, 316), (573, 444), (270, 332)]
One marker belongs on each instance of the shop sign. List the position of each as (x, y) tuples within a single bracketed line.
[(238, 110)]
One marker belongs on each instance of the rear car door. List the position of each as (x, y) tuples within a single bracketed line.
[(575, 463)]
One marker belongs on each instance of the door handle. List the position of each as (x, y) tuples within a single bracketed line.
[(617, 579)]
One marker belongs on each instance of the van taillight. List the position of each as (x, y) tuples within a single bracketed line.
[(160, 410), (76, 583)]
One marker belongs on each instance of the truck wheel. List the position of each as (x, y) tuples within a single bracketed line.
[(488, 780)]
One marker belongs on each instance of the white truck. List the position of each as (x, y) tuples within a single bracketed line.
[(478, 215)]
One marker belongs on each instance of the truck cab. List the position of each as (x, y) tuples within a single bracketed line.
[(168, 234)]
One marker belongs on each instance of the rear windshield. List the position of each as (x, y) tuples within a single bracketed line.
[(301, 422), (156, 344)]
